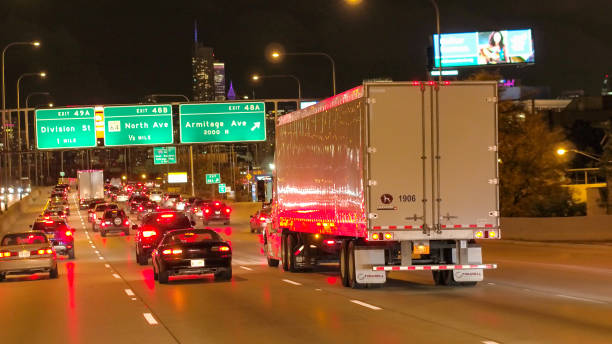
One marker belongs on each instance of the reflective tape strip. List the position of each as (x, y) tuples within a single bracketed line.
[(392, 227), (434, 267), (471, 226)]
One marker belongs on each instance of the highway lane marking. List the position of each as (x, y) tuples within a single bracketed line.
[(106, 265), (291, 282), (129, 292), (101, 258), (244, 267), (489, 342), (91, 242), (491, 283), (150, 319), (318, 289), (581, 299), (367, 305), (116, 276), (97, 252), (134, 299)]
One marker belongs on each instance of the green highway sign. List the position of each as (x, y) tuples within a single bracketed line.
[(221, 188), (65, 128), (138, 125), (164, 155), (213, 178), (222, 122)]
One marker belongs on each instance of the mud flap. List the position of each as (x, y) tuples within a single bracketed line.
[(468, 275), (365, 258)]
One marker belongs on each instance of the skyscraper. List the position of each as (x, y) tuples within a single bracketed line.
[(208, 74)]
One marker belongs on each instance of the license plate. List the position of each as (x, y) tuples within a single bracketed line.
[(217, 212), (197, 262), (24, 254)]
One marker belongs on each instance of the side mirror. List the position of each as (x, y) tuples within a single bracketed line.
[(135, 227)]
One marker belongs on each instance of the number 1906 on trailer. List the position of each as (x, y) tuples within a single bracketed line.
[(388, 177)]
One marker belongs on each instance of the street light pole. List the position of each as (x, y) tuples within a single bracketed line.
[(27, 135), (42, 75), (277, 55), (437, 10), (299, 84)]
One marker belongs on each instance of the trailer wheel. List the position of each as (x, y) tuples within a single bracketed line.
[(437, 277), (290, 256), (344, 265), (352, 271), (284, 252)]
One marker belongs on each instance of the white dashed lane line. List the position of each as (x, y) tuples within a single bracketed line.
[(106, 265), (292, 282), (367, 305), (150, 319), (580, 299), (116, 276), (244, 267), (129, 292)]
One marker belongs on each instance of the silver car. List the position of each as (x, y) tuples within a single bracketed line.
[(27, 253)]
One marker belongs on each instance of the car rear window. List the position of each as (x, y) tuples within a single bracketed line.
[(114, 213), (191, 237), (24, 239), (103, 207), (140, 198), (164, 221)]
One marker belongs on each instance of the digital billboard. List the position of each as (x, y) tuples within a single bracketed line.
[(485, 48)]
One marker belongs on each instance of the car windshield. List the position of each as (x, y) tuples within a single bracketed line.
[(190, 237), (24, 239), (114, 213)]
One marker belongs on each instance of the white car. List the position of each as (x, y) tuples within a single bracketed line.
[(156, 196), (122, 197)]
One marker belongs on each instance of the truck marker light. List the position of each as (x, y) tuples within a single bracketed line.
[(478, 234), (375, 236), (492, 234), (416, 83), (317, 236), (388, 236), (330, 242)]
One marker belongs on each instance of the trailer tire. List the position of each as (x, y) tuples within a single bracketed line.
[(352, 272), (437, 277), (447, 278), (284, 251), (290, 256), (343, 264)]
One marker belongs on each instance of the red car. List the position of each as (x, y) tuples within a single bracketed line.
[(259, 219)]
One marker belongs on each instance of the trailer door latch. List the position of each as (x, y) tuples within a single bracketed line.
[(372, 182), (372, 216), (493, 181)]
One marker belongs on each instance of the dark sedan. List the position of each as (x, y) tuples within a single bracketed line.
[(192, 252)]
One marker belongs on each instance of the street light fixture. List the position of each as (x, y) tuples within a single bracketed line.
[(562, 151), (256, 77), (276, 55)]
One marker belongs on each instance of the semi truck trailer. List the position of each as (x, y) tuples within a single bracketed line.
[(388, 176), (91, 186)]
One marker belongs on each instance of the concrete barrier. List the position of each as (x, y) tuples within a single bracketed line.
[(30, 204), (570, 229), (242, 210)]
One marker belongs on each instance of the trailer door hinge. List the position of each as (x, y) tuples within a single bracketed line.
[(492, 149), (372, 182), (493, 181), (371, 150), (491, 99), (372, 216), (494, 213), (371, 101)]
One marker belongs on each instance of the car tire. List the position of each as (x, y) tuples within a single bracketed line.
[(102, 233), (141, 259), (155, 274), (272, 262), (126, 232), (71, 253), (352, 273), (93, 227), (53, 273), (224, 275), (2, 277), (163, 277)]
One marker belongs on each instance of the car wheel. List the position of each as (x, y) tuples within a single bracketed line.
[(2, 277), (126, 232), (224, 275), (53, 273), (71, 253), (103, 233), (163, 277), (93, 227), (155, 274), (344, 264), (272, 262), (141, 259)]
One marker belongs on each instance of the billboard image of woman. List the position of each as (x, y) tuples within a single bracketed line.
[(494, 50)]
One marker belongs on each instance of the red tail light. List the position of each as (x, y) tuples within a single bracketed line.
[(68, 233), (6, 254), (262, 219), (140, 208), (167, 216), (228, 210), (44, 251), (217, 204), (148, 234), (220, 249), (175, 251), (207, 210), (330, 242), (127, 222), (157, 208)]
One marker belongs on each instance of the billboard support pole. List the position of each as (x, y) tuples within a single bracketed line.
[(437, 10), (191, 166)]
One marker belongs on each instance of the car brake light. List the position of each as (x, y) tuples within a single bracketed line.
[(49, 222), (148, 234), (41, 252), (330, 242), (68, 233), (207, 210), (172, 251), (228, 210), (165, 216), (216, 203), (220, 248), (127, 222), (5, 254), (262, 219), (140, 208)]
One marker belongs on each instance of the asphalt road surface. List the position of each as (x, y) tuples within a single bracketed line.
[(541, 293)]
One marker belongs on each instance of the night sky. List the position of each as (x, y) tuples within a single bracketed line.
[(104, 52)]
